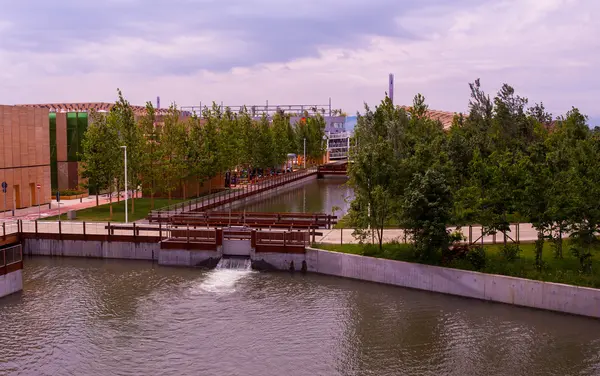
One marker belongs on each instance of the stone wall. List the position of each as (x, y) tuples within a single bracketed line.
[(522, 292), (11, 283)]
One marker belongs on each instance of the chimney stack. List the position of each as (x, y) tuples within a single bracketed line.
[(391, 87)]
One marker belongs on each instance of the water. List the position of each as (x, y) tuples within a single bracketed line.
[(315, 196), (235, 263), (96, 317)]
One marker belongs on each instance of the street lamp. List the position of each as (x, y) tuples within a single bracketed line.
[(304, 160), (125, 150)]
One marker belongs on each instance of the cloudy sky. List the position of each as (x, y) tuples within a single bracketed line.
[(285, 51)]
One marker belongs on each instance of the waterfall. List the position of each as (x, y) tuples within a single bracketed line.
[(235, 263)]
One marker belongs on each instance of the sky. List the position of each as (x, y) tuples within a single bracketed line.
[(300, 52)]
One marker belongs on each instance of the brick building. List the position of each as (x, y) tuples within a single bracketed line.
[(24, 156)]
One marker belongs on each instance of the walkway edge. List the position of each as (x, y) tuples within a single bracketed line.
[(548, 296)]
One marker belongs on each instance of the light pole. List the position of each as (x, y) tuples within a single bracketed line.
[(326, 148), (125, 150), (38, 199), (304, 160)]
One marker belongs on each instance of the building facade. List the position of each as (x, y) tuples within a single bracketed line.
[(24, 157)]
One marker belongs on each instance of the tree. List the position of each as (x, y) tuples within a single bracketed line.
[(100, 153), (173, 149), (427, 210), (131, 136), (151, 153)]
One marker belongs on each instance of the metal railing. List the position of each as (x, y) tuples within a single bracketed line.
[(224, 197), (11, 255)]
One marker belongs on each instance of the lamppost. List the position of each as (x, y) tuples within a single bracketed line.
[(125, 150), (326, 147), (304, 160), (38, 200)]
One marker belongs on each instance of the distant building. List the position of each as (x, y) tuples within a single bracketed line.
[(67, 125), (24, 157)]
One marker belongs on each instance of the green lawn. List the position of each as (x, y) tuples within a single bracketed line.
[(102, 213), (565, 270)]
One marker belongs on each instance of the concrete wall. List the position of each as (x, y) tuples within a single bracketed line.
[(523, 292), (278, 261), (174, 257), (99, 249), (11, 283)]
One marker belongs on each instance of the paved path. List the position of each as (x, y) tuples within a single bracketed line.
[(337, 236), (33, 213)]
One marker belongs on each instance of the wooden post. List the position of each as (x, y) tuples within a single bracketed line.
[(470, 234), (4, 229), (83, 228), (160, 231), (341, 236), (188, 233), (36, 224), (314, 235), (59, 229), (284, 242), (108, 228), (134, 232)]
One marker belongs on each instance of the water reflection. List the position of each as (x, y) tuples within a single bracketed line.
[(95, 317), (315, 196)]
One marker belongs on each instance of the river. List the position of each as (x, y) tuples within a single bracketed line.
[(314, 196), (99, 317)]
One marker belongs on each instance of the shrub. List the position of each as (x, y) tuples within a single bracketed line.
[(456, 252), (511, 251), (477, 257)]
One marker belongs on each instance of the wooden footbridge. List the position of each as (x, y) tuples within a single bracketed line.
[(291, 221)]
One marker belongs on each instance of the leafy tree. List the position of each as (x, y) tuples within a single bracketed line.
[(100, 153), (427, 210)]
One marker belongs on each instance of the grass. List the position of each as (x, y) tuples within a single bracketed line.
[(565, 270), (102, 213)]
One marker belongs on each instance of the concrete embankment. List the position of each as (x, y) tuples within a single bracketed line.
[(496, 288), (521, 292), (11, 282)]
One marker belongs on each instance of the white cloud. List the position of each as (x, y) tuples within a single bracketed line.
[(546, 49)]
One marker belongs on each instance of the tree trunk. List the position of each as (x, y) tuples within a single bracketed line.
[(169, 197), (97, 199), (110, 204), (152, 200), (133, 192)]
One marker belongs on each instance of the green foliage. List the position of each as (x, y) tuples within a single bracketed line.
[(511, 251), (166, 149), (503, 162), (477, 257)]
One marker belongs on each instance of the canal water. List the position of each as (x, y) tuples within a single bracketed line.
[(98, 317), (314, 196)]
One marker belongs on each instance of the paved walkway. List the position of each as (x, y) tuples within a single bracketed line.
[(337, 236), (33, 213)]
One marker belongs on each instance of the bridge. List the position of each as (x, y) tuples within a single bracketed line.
[(337, 168)]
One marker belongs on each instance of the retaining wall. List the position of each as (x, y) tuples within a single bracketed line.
[(11, 282), (278, 261), (183, 257), (91, 248), (522, 292)]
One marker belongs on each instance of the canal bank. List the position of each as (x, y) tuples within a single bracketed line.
[(264, 256)]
